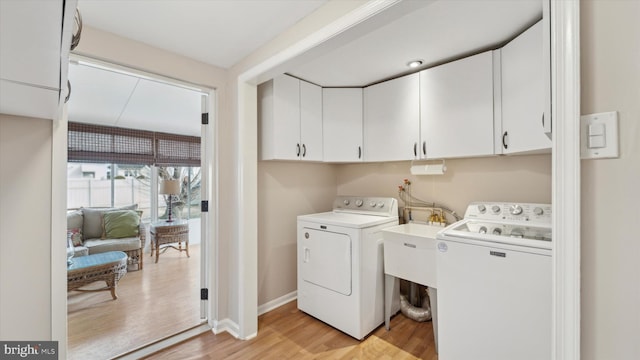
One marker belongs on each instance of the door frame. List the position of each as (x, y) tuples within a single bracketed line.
[(209, 222), (565, 87)]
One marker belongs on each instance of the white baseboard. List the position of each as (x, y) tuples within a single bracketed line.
[(226, 325), (275, 303), (233, 328)]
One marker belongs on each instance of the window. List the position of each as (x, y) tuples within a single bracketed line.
[(111, 166), (186, 205)]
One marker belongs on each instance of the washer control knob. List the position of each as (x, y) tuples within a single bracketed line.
[(359, 203), (495, 209), (372, 203), (346, 202), (497, 231), (538, 211), (482, 209), (515, 209), (483, 230), (381, 204)]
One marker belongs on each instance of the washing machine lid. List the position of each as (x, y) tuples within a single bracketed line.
[(349, 220)]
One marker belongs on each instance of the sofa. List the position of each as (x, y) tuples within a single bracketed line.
[(97, 230)]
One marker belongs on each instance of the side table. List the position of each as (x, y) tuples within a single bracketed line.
[(166, 233)]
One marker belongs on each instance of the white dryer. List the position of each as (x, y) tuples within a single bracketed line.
[(340, 263)]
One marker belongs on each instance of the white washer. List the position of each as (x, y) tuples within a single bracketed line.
[(340, 263), (494, 283)]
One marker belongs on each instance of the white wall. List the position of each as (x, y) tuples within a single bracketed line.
[(523, 178), (286, 190), (25, 228), (610, 40)]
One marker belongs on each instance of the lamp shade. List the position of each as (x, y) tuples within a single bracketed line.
[(170, 187)]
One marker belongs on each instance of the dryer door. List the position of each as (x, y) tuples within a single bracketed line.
[(325, 259)]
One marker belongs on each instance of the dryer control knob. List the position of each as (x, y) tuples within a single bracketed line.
[(515, 209), (495, 209), (538, 211), (381, 204), (482, 209), (359, 203), (372, 203), (346, 202)]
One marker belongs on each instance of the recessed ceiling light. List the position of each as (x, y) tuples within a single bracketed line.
[(414, 63)]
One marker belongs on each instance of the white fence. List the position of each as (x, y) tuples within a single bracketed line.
[(97, 193)]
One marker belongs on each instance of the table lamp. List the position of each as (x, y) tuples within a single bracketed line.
[(170, 187)]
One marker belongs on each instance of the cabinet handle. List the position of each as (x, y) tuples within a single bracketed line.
[(542, 119), (297, 149), (415, 149), (66, 99), (504, 140), (75, 38), (304, 150), (424, 148), (359, 152)]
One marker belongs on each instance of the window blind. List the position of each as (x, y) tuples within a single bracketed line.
[(106, 144)]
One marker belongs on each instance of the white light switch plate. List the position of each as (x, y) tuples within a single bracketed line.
[(599, 135)]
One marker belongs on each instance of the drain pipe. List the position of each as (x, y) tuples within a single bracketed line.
[(419, 314)]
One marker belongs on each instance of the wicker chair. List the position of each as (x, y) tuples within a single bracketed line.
[(135, 256)]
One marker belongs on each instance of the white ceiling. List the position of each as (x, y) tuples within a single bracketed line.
[(223, 32), (431, 31), (112, 98), (217, 32)]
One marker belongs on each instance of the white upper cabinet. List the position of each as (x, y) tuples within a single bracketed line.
[(290, 113), (523, 95), (391, 119), (342, 124), (34, 50), (456, 108)]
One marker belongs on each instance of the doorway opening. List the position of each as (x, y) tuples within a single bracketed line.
[(162, 295)]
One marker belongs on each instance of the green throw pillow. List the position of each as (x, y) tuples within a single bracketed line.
[(121, 224)]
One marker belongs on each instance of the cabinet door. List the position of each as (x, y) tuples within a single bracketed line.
[(342, 124), (392, 119), (523, 94), (310, 122), (30, 42), (279, 112), (456, 108)]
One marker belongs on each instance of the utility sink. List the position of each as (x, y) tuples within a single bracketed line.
[(410, 252)]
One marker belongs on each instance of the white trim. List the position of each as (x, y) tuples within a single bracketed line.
[(565, 77), (210, 225), (58, 231), (276, 303), (247, 158), (89, 61), (226, 325)]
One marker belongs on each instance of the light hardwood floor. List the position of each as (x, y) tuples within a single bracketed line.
[(160, 300), (287, 333)]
